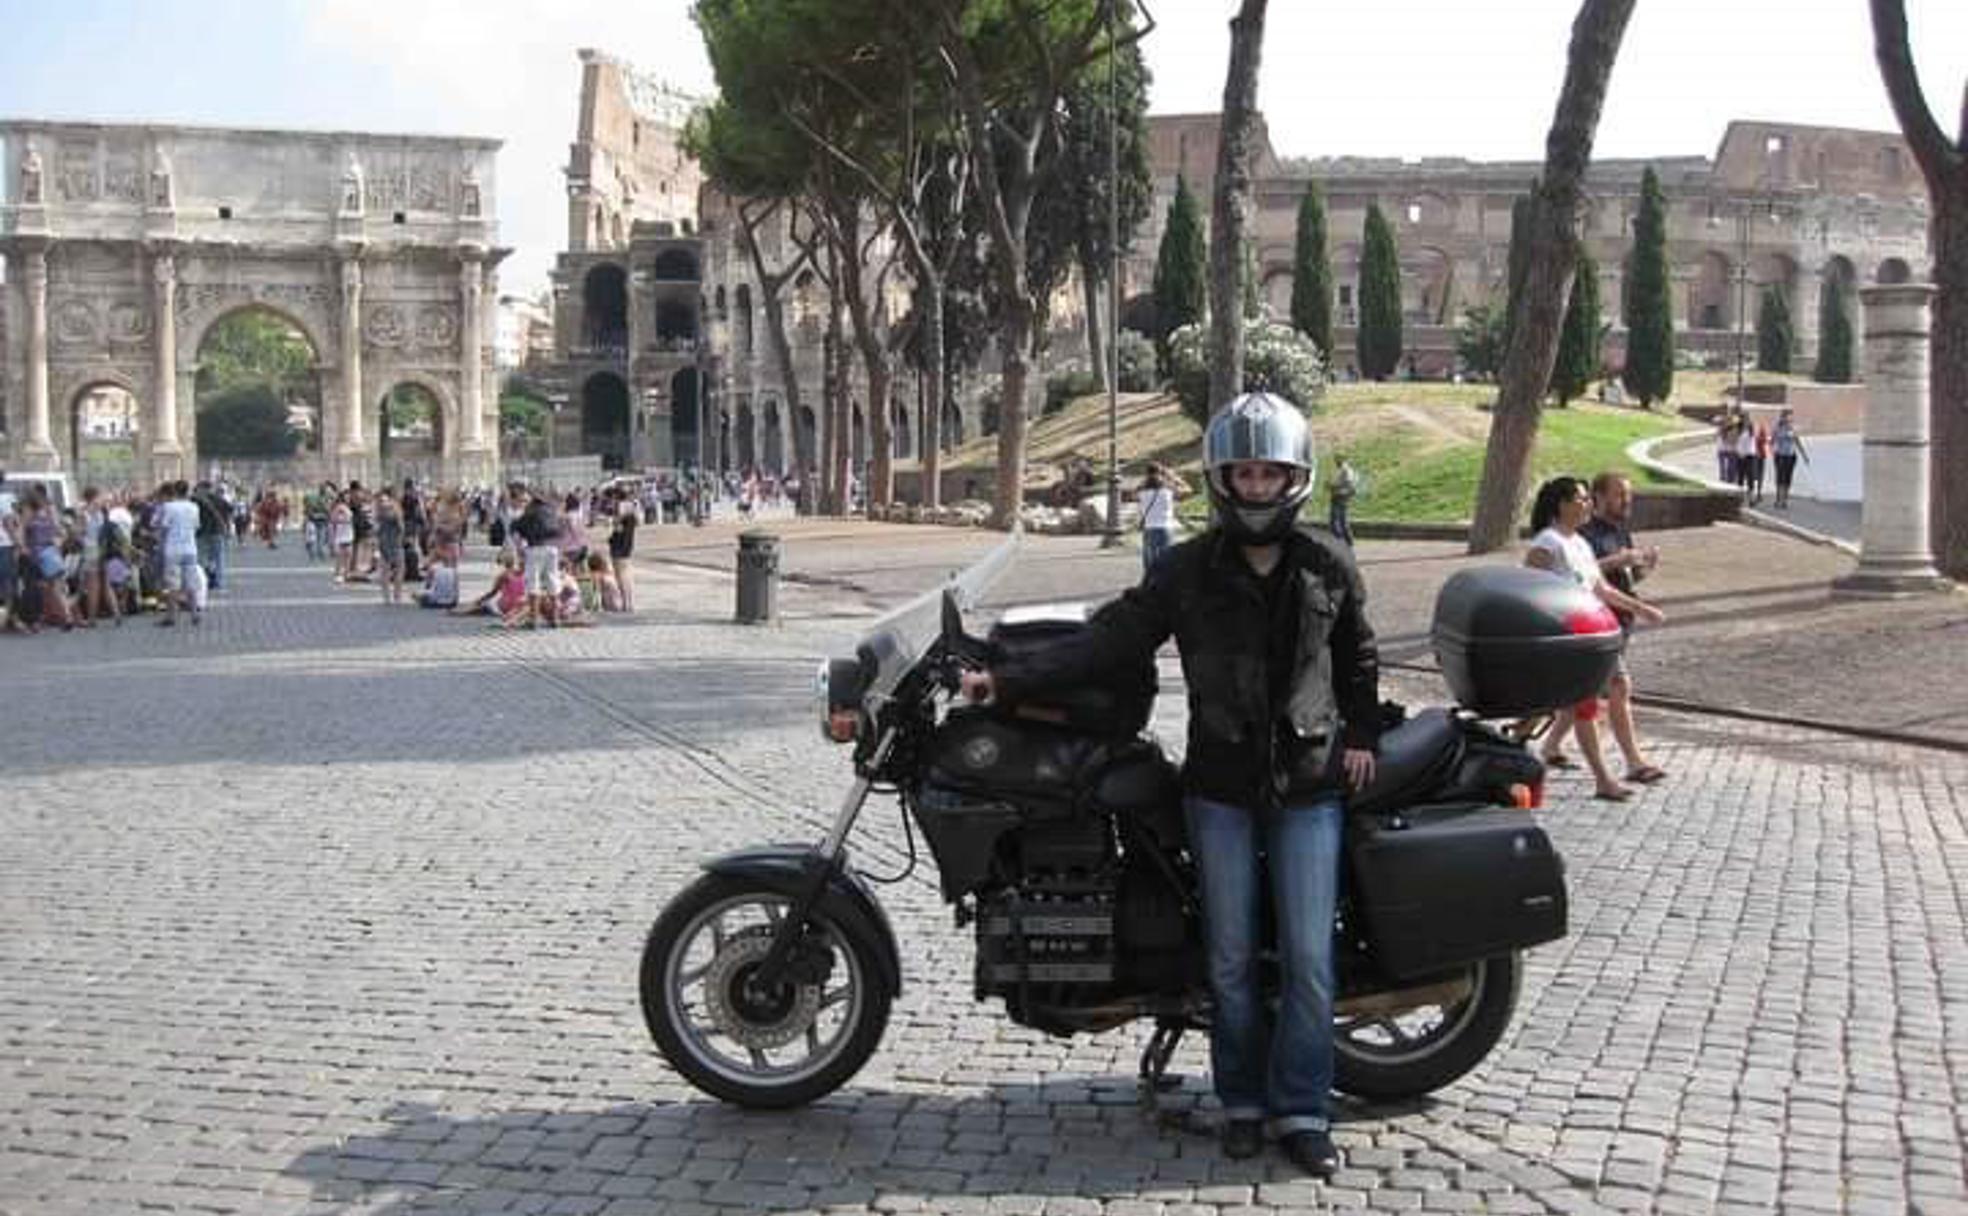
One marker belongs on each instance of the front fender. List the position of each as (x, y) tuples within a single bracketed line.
[(789, 869)]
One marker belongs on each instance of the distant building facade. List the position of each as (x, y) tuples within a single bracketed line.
[(1800, 207)]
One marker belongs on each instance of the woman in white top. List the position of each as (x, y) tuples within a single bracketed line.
[(1563, 505), (1156, 498)]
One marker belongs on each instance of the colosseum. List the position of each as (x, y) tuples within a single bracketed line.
[(661, 357), (1795, 207)]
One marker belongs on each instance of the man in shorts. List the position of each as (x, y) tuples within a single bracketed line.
[(1623, 564), (539, 527), (183, 576)]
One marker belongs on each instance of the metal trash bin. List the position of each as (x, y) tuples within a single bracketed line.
[(758, 578)]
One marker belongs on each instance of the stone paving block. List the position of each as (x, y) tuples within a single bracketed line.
[(413, 971)]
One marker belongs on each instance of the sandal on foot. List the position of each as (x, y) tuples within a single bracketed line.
[(1646, 774), (1616, 794)]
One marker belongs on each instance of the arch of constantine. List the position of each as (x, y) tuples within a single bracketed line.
[(125, 246)]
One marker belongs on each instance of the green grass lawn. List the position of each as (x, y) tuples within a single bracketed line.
[(1418, 445), (1439, 485)]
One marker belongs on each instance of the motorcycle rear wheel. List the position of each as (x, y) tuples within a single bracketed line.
[(1390, 1058), (759, 1047)]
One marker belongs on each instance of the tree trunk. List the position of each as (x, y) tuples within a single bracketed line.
[(840, 409), (1096, 333), (874, 354), (1949, 378), (1230, 206), (782, 347), (1013, 337), (1554, 248), (931, 460)]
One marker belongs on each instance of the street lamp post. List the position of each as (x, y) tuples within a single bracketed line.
[(1110, 537)]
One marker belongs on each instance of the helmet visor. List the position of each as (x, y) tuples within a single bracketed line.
[(1258, 427)]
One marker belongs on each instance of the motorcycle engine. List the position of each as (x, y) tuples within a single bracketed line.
[(1052, 922)]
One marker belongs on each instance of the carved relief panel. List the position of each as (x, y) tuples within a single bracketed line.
[(411, 327)]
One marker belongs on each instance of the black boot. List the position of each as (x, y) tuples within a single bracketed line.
[(1313, 1152)]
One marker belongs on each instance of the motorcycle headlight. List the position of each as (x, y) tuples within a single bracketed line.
[(840, 711)]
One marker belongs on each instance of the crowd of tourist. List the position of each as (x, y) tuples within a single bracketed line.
[(113, 555), (561, 559)]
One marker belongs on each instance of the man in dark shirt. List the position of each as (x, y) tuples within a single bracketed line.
[(1623, 564)]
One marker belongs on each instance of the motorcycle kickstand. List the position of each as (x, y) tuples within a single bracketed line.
[(1154, 1076)]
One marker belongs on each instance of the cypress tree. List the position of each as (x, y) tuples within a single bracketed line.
[(1834, 336), (1312, 287), (1649, 371), (1253, 299), (1578, 344), (1378, 341), (1180, 287), (1773, 335)]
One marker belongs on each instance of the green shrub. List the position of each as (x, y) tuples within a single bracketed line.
[(1277, 358), (1137, 355)]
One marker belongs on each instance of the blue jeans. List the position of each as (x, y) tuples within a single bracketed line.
[(1154, 543), (1285, 1071), (1342, 524), (212, 556)]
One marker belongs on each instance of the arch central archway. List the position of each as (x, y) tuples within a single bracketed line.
[(410, 433), (256, 389)]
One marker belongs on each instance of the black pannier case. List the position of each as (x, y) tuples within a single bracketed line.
[(1436, 888), (1516, 640), (1117, 705)]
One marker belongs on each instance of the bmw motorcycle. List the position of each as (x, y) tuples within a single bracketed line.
[(1057, 835)]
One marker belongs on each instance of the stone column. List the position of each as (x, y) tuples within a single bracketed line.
[(39, 448), (165, 450), (352, 443), (471, 340), (1896, 556)]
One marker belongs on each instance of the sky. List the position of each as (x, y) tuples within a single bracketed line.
[(1404, 78)]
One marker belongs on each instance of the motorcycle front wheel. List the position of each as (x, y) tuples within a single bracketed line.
[(764, 1046), (1389, 1057)]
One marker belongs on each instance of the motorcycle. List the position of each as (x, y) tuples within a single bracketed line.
[(1058, 839)]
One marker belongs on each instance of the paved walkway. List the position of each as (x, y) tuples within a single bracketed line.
[(330, 907), (1753, 624)]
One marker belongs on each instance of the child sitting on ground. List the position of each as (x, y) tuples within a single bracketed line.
[(569, 599), (440, 583), (507, 598)]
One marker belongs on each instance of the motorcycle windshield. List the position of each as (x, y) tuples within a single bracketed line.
[(894, 643)]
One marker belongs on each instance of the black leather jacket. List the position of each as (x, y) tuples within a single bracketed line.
[(1243, 749)]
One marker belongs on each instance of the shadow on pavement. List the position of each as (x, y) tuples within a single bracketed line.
[(1085, 1137)]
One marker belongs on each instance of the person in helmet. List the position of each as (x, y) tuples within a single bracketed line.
[(1284, 700)]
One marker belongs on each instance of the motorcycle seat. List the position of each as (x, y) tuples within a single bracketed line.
[(1412, 757)]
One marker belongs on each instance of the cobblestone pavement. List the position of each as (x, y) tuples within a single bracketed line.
[(329, 907)]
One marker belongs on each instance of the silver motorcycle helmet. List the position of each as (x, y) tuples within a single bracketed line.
[(1258, 426)]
